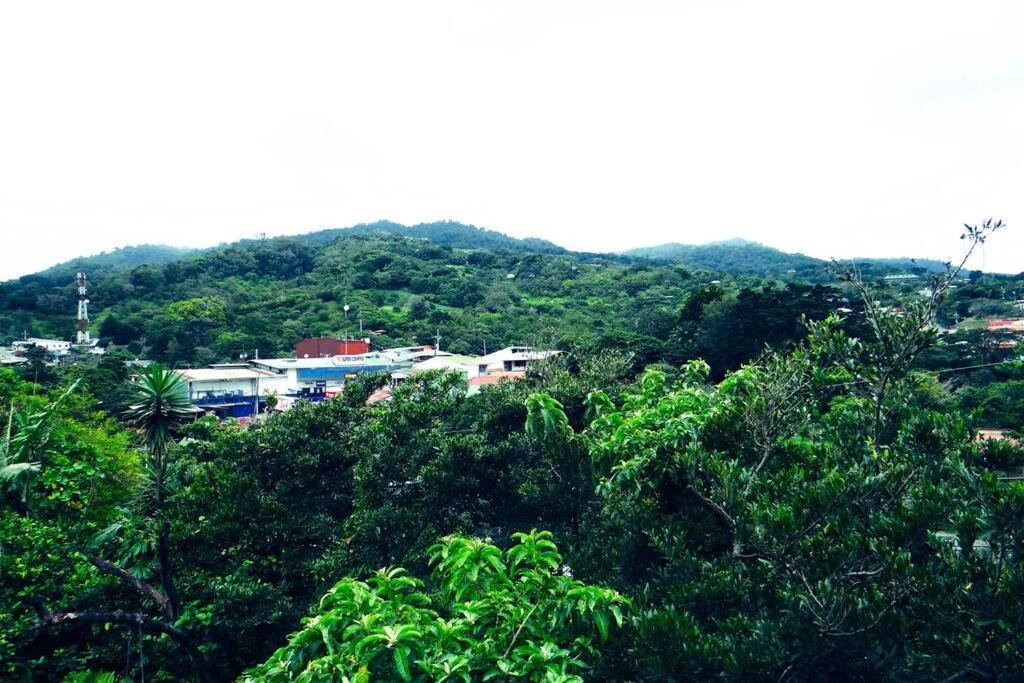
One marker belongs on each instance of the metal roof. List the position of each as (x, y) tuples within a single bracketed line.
[(517, 353), (222, 374)]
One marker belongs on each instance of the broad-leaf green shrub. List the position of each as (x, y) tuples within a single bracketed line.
[(517, 614)]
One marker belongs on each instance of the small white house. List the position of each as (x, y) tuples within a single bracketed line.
[(7, 357), (471, 366), (56, 347), (514, 358)]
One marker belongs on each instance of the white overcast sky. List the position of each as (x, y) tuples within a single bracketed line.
[(836, 129)]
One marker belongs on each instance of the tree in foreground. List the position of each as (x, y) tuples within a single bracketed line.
[(516, 614), (142, 531), (814, 515)]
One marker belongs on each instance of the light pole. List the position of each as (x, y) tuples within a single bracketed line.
[(346, 309)]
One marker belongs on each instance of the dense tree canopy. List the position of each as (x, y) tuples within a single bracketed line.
[(811, 504)]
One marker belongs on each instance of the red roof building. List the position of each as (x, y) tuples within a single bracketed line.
[(1006, 325), (326, 347)]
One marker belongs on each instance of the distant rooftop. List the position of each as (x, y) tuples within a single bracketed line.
[(222, 373), (517, 353)]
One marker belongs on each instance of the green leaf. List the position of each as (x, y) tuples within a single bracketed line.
[(401, 657)]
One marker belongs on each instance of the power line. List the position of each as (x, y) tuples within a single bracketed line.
[(944, 370), (976, 367)]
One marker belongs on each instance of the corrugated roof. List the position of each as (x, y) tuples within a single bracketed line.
[(447, 361), (286, 363), (517, 353), (222, 374), (494, 378)]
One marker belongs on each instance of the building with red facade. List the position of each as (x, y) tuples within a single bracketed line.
[(326, 347)]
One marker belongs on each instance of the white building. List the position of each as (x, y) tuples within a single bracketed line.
[(56, 347), (317, 377), (230, 390), (411, 354), (470, 366), (7, 357), (514, 358)]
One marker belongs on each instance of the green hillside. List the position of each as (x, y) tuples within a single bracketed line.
[(120, 258), (267, 294), (448, 233), (734, 256), (750, 258)]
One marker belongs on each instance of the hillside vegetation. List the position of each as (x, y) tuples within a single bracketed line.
[(726, 478), (476, 288), (750, 258)]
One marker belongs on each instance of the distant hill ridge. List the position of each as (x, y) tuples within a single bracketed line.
[(743, 257), (735, 256), (450, 233), (117, 259), (479, 286)]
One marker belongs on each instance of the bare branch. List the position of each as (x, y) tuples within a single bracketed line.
[(137, 620), (134, 582)]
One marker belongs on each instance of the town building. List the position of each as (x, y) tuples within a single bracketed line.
[(470, 366), (58, 348), (412, 354), (326, 347), (514, 358), (1006, 326), (319, 378), (230, 390), (9, 357), (237, 390), (476, 384)]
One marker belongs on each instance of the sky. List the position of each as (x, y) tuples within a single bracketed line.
[(834, 129)]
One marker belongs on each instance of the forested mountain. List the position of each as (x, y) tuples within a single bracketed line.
[(117, 259), (267, 294), (450, 233), (477, 288), (907, 264), (734, 256), (750, 258)]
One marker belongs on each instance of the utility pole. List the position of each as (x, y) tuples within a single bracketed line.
[(437, 341), (346, 309)]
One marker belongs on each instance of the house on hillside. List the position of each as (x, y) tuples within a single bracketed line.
[(1006, 326), (514, 358), (470, 366), (476, 384), (58, 348)]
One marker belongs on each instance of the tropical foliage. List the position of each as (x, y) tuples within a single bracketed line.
[(506, 615), (814, 509)]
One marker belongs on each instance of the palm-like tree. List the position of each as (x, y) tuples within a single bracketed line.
[(160, 408)]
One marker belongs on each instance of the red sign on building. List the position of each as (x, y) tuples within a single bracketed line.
[(325, 347)]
